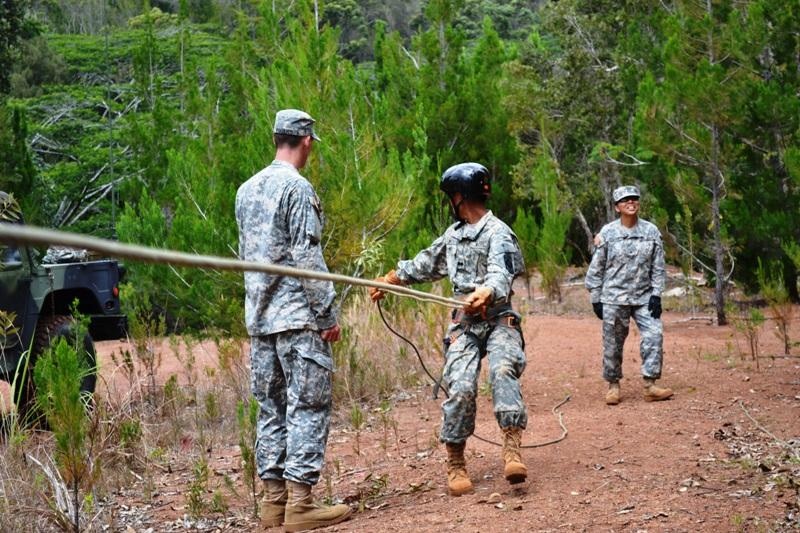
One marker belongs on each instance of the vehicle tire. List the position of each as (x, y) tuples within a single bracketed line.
[(48, 332)]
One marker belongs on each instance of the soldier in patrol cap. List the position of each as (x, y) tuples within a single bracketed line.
[(291, 323), (481, 256), (625, 279)]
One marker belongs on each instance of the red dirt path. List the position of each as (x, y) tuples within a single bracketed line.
[(697, 462)]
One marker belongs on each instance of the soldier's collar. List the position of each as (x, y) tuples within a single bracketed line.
[(282, 163), (471, 231), (635, 230)]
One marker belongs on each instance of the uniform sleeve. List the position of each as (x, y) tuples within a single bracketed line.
[(428, 265), (658, 273), (596, 272), (304, 218), (504, 263), (238, 213)]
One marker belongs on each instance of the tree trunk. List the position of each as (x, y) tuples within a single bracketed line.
[(76, 502), (586, 229), (790, 281), (608, 184), (716, 194)]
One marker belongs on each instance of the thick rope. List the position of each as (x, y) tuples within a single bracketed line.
[(20, 234), (16, 233)]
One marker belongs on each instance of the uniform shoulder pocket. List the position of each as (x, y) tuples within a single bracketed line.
[(314, 223)]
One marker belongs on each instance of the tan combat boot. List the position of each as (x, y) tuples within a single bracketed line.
[(654, 393), (458, 481), (302, 513), (514, 471), (273, 504), (612, 396)]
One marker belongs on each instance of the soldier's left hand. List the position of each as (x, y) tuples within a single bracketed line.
[(391, 278), (478, 300), (331, 334), (654, 306)]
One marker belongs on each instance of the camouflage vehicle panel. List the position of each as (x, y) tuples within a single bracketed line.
[(38, 297)]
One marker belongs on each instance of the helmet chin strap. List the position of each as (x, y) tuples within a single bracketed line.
[(454, 210)]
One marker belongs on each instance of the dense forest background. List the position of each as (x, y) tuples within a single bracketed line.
[(139, 120)]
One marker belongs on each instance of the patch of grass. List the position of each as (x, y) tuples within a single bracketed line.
[(748, 323), (357, 421), (372, 363), (744, 463), (485, 388), (710, 357), (218, 503), (195, 498), (738, 521), (371, 490), (247, 419), (388, 423), (139, 427)]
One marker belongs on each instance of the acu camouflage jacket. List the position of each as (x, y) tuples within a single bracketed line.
[(280, 222), (628, 264), (482, 254)]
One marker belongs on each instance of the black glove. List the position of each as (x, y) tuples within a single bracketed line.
[(598, 309), (654, 306)]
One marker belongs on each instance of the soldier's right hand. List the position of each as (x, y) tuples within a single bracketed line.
[(391, 278), (597, 307), (331, 334)]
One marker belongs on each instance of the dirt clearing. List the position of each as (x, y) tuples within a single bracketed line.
[(722, 455)]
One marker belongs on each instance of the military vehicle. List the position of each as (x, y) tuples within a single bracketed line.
[(37, 295)]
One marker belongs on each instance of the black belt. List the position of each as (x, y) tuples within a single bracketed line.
[(459, 316)]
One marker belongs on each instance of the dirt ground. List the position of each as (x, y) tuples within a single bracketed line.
[(722, 455)]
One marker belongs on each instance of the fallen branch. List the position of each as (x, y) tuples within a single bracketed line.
[(709, 319), (795, 452)]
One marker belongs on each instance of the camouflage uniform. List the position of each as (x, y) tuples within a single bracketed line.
[(471, 255), (280, 222), (626, 270)]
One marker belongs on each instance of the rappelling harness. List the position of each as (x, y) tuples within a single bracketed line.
[(502, 315)]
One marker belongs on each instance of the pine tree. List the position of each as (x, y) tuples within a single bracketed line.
[(12, 29), (17, 173), (690, 115), (762, 215), (568, 84)]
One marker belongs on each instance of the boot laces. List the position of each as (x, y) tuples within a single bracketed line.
[(511, 445)]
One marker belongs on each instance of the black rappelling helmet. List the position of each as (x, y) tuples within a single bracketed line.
[(469, 179)]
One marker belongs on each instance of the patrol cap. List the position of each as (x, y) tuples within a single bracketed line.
[(294, 122), (625, 191)]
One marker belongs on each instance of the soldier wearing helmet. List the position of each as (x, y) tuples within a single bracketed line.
[(625, 279), (481, 257)]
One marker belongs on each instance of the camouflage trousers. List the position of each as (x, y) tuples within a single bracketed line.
[(503, 347), (291, 381), (616, 322)]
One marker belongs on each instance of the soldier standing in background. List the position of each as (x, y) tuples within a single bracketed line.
[(291, 322), (625, 279), (481, 256)]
